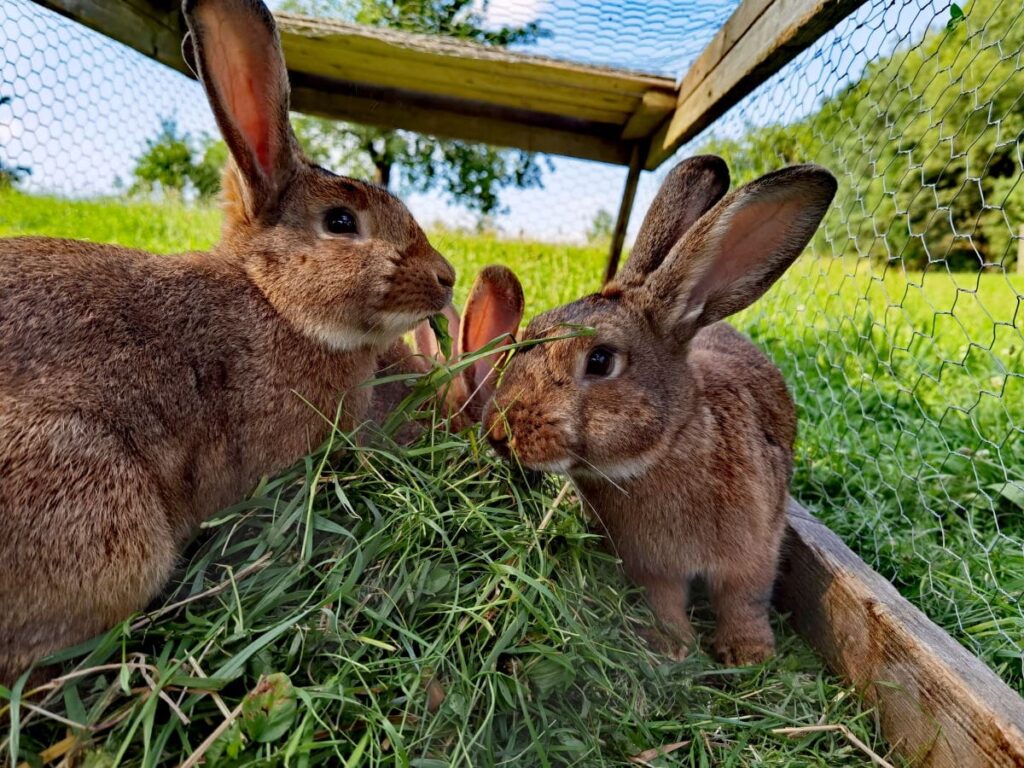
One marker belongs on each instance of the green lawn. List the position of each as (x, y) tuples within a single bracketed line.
[(376, 569)]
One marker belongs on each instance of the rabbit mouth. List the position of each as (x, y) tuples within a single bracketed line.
[(561, 466), (397, 323)]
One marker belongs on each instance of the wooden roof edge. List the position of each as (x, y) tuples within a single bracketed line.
[(451, 47), (757, 41)]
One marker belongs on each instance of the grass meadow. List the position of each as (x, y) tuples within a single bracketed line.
[(374, 579)]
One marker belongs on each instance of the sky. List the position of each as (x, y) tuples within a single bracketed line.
[(83, 106)]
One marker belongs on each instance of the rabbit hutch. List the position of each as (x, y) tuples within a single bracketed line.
[(899, 329)]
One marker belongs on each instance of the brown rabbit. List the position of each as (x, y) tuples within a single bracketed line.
[(141, 393), (677, 431), (494, 309)]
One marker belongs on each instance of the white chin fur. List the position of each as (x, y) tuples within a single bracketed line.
[(390, 325), (397, 323), (338, 338), (630, 469), (559, 467)]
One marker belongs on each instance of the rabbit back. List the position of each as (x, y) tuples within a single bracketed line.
[(138, 395)]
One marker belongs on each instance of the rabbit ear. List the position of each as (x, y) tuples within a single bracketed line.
[(426, 341), (494, 309), (739, 248), (689, 190), (234, 48)]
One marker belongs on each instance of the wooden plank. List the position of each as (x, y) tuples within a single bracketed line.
[(452, 118), (765, 36), (654, 107), (463, 54), (143, 25), (1020, 251), (636, 162), (424, 83), (938, 704), (439, 78)]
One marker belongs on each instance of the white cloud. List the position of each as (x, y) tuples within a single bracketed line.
[(501, 13)]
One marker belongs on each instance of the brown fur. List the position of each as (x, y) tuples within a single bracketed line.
[(139, 393), (684, 454), (493, 310)]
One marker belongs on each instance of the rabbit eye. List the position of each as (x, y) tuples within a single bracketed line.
[(600, 362), (341, 221)]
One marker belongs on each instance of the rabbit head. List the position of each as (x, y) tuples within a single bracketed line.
[(493, 310), (343, 261), (602, 403)]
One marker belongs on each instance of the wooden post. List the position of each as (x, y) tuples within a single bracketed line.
[(938, 705), (1020, 251), (636, 164)]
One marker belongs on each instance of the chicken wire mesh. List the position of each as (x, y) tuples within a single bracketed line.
[(898, 329)]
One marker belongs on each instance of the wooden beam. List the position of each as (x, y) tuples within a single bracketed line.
[(655, 106), (636, 164), (938, 704), (760, 38), (458, 119), (152, 27), (1020, 251), (442, 66), (426, 83)]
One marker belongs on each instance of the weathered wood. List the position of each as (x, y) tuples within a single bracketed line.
[(425, 83), (451, 118), (938, 704), (148, 26), (1020, 251), (655, 106), (636, 165), (759, 39)]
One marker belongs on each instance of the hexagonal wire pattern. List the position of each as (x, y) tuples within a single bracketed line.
[(899, 330)]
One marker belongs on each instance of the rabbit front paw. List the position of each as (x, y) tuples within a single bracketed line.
[(663, 643), (740, 651)]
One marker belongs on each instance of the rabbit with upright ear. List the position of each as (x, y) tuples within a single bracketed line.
[(677, 431), (141, 393), (493, 310)]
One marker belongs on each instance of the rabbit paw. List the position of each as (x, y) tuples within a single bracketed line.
[(743, 651), (675, 648)]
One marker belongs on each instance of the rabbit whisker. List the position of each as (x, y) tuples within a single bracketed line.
[(598, 471), (597, 517)]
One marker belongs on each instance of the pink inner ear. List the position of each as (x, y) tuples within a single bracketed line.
[(241, 59), (489, 315), (255, 127), (755, 235)]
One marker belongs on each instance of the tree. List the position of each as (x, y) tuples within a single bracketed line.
[(179, 165), (931, 138), (470, 174), (11, 174), (600, 229)]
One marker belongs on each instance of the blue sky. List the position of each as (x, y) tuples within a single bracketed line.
[(83, 106)]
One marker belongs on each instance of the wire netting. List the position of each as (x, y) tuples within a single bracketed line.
[(899, 329)]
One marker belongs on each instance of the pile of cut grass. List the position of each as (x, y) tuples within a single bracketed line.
[(386, 582)]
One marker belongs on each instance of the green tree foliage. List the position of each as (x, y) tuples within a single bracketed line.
[(470, 174), (177, 165), (11, 174), (928, 144), (601, 228)]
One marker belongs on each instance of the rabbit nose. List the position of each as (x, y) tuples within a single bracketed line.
[(445, 274), (497, 435)]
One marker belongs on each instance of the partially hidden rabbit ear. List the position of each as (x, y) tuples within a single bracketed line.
[(234, 48), (689, 191), (426, 341), (739, 248), (494, 309)]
